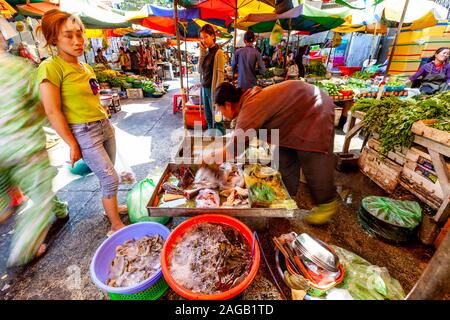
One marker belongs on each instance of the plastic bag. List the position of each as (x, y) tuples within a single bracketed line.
[(137, 200), (365, 281), (398, 212), (126, 175), (276, 35)]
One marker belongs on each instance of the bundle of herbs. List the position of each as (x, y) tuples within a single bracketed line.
[(396, 131), (393, 118)]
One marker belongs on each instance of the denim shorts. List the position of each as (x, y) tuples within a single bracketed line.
[(98, 148)]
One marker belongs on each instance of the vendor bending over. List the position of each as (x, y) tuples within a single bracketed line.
[(436, 73), (304, 116)]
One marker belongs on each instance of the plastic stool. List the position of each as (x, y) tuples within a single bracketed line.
[(176, 106)]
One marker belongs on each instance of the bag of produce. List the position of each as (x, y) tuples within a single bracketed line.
[(365, 281), (393, 220), (276, 35), (399, 212), (137, 200)]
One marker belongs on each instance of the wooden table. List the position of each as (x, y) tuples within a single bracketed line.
[(353, 129), (438, 152)]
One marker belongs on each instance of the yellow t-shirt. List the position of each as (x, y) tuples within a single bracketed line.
[(80, 101)]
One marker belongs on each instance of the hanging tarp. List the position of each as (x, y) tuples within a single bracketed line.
[(301, 18), (6, 10)]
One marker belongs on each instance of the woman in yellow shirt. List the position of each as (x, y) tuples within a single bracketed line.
[(69, 93)]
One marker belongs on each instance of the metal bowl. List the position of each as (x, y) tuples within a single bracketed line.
[(316, 251)]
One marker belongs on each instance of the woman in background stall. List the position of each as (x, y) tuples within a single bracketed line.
[(212, 70)]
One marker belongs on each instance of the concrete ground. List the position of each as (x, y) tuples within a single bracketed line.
[(147, 133)]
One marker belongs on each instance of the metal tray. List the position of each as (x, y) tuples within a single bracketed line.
[(187, 147), (316, 251), (155, 211)]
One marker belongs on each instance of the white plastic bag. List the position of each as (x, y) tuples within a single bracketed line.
[(126, 174)]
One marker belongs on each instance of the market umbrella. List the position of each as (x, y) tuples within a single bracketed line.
[(93, 15), (36, 10), (230, 10), (17, 2), (6, 10), (420, 14), (380, 15), (188, 22), (301, 18)]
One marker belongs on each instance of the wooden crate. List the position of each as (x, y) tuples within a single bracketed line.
[(416, 182), (379, 169), (422, 128), (442, 234), (396, 156)]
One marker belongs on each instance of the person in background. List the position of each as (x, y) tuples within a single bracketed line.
[(212, 70), (304, 116), (292, 71), (100, 58), (247, 62), (134, 62), (149, 63), (124, 60), (70, 96), (24, 160), (299, 60), (114, 57), (435, 75)]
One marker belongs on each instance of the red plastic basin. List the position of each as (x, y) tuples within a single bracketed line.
[(188, 224), (348, 71)]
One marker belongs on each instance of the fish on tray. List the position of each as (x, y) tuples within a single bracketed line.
[(231, 175), (207, 198), (172, 189), (135, 261), (236, 198), (206, 178)]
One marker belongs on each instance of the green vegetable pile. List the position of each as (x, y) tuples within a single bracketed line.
[(262, 193), (268, 74), (331, 88), (356, 83), (317, 69), (378, 111), (365, 281), (148, 86), (361, 75), (393, 118), (443, 125)]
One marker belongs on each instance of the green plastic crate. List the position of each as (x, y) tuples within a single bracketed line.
[(154, 292)]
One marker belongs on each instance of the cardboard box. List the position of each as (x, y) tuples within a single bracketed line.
[(135, 93)]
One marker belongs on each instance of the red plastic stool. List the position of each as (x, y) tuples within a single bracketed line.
[(176, 105)]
